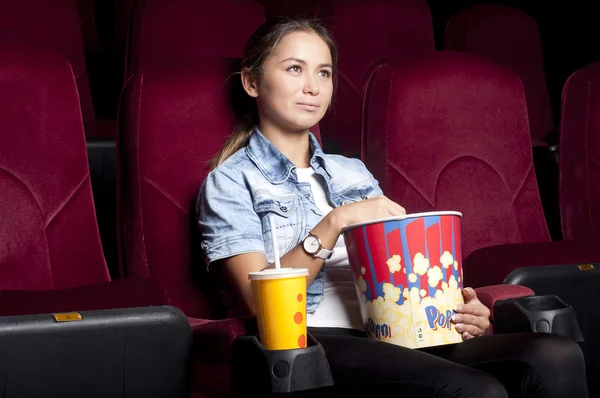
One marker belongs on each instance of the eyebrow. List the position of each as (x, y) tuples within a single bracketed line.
[(301, 61)]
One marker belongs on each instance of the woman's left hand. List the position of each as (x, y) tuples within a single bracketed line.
[(472, 318)]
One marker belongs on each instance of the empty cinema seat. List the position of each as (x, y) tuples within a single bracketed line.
[(50, 257), (53, 25), (580, 153), (449, 131), (510, 37), (164, 31), (367, 32)]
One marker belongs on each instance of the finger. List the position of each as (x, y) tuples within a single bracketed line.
[(473, 330), (467, 336), (475, 308), (394, 209), (469, 293), (399, 210), (391, 203), (467, 319)]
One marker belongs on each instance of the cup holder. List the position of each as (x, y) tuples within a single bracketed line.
[(540, 314), (256, 371)]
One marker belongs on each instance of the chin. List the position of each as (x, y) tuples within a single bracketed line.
[(303, 124)]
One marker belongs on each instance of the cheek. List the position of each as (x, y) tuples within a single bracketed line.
[(282, 86)]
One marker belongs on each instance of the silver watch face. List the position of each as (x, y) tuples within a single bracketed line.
[(311, 244)]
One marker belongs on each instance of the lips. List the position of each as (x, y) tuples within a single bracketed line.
[(308, 106)]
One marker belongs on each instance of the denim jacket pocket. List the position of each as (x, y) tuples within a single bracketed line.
[(287, 214), (358, 193)]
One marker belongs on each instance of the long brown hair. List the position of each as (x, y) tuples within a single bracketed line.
[(259, 48)]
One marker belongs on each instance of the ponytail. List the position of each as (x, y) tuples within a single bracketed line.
[(237, 140)]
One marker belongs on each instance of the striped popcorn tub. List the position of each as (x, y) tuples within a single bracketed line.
[(408, 275)]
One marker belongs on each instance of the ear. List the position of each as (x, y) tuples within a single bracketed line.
[(249, 82)]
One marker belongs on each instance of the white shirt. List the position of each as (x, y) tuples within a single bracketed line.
[(340, 306)]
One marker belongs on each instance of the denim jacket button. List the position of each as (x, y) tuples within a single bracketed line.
[(283, 208), (364, 197)]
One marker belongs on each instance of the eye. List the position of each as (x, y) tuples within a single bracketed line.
[(325, 73), (295, 69)]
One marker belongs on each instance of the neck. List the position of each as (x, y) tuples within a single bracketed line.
[(293, 145)]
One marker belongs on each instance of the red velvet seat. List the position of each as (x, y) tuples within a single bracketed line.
[(449, 131), (164, 31), (580, 152), (53, 25), (367, 32), (511, 38), (50, 257), (173, 120)]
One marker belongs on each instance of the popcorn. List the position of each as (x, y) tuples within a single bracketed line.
[(420, 264), (435, 276), (414, 296), (394, 263), (422, 320), (391, 292), (452, 283), (446, 259), (409, 299)]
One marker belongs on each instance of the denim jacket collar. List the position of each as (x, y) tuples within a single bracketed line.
[(274, 165)]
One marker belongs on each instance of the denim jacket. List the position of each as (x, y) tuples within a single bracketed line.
[(236, 199)]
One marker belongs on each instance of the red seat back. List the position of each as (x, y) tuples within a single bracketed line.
[(449, 131), (580, 155), (165, 31), (53, 25), (367, 32), (511, 38), (48, 230), (173, 120)]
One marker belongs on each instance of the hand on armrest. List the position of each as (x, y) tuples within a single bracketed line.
[(488, 295)]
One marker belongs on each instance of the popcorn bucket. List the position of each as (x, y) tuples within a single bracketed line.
[(408, 275)]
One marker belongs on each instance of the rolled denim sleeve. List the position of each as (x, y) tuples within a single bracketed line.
[(374, 182), (228, 223)]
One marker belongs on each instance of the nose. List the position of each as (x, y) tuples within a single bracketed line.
[(311, 86)]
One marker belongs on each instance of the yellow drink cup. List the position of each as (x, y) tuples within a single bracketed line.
[(280, 303)]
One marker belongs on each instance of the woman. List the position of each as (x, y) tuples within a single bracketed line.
[(273, 165)]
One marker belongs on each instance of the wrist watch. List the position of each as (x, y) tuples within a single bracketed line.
[(312, 245)]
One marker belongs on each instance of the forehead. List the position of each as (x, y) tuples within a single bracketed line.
[(307, 46)]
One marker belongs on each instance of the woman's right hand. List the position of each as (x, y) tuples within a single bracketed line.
[(366, 210)]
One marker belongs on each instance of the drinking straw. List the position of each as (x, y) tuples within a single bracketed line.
[(274, 239)]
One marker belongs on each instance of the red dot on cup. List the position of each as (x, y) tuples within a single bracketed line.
[(302, 341), (298, 317), (299, 298)]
